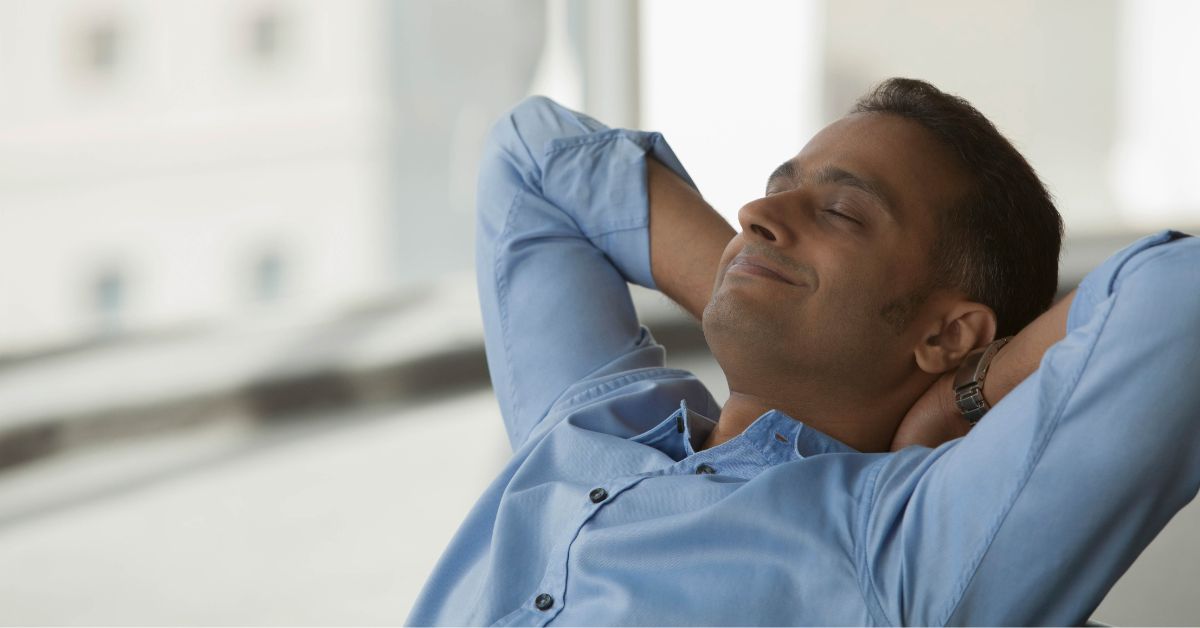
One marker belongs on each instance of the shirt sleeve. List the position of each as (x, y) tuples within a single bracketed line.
[(562, 225), (1033, 516)]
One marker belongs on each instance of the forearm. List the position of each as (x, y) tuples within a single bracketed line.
[(935, 418), (1019, 358), (687, 237)]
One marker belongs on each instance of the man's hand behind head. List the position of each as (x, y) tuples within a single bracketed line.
[(933, 419)]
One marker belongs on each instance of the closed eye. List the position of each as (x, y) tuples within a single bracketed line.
[(842, 216)]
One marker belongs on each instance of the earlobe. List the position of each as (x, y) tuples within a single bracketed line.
[(966, 327)]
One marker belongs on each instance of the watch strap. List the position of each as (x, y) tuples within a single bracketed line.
[(968, 381)]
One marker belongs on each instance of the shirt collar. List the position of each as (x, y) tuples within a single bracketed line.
[(766, 434)]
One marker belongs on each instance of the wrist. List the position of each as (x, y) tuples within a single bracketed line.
[(1021, 357), (972, 377), (996, 385), (946, 386)]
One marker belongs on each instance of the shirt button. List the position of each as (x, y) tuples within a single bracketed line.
[(597, 495), (705, 469), (543, 602)]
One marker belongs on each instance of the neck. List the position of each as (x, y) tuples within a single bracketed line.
[(867, 427)]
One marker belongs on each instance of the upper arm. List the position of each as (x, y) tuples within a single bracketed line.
[(562, 225), (1035, 514)]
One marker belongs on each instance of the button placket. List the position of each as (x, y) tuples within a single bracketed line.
[(551, 590)]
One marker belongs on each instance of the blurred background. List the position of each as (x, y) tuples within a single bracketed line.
[(241, 367)]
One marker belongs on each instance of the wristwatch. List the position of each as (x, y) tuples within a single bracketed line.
[(968, 381)]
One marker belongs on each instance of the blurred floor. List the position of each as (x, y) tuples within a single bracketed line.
[(321, 523), (333, 520)]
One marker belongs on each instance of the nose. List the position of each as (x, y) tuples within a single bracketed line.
[(763, 219)]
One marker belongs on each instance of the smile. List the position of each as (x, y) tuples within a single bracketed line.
[(745, 267)]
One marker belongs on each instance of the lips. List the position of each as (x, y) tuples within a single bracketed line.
[(754, 265)]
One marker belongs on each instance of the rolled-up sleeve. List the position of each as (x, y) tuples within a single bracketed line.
[(562, 225), (1032, 517)]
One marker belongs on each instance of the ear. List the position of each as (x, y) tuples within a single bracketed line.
[(964, 328)]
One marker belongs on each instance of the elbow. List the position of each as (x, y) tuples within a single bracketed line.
[(512, 150)]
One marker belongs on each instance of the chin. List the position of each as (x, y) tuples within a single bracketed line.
[(738, 331)]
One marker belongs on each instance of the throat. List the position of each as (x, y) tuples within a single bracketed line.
[(854, 428)]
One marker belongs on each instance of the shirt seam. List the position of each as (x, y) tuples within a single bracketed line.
[(866, 574), (575, 537), (619, 379), (633, 224), (502, 304), (528, 151), (1041, 450), (561, 144), (1135, 261), (567, 545), (866, 589)]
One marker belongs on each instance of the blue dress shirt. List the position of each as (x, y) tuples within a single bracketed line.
[(608, 514)]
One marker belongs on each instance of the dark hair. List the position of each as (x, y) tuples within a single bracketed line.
[(999, 243)]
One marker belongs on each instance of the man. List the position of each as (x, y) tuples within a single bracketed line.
[(842, 482)]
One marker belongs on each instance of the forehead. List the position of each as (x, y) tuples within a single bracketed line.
[(920, 173)]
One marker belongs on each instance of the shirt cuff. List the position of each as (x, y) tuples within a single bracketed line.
[(599, 179), (1098, 285)]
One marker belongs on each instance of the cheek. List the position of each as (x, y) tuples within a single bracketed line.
[(855, 290)]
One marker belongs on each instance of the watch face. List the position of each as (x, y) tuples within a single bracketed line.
[(968, 381)]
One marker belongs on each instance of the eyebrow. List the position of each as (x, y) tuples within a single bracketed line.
[(785, 171), (833, 174)]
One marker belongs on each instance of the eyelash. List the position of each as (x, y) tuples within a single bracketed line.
[(842, 216), (834, 212)]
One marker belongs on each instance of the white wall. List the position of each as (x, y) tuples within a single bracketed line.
[(1043, 72), (734, 87), (1153, 171), (186, 161)]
